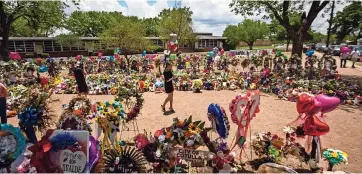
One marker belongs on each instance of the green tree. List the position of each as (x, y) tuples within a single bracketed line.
[(128, 35), (90, 23), (177, 21), (281, 10), (151, 26), (69, 40), (349, 22), (248, 31), (230, 32), (43, 17), (280, 34)]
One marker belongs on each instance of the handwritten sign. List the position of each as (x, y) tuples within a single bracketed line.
[(72, 162)]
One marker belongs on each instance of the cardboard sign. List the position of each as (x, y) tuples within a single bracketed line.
[(198, 163), (72, 160), (192, 155)]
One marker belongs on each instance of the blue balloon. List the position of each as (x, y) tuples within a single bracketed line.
[(111, 58), (144, 53), (309, 53), (43, 69)]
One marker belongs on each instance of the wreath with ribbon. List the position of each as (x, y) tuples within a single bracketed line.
[(219, 120), (124, 95), (7, 134)]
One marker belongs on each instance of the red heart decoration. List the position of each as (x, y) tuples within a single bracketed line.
[(314, 127), (304, 103)]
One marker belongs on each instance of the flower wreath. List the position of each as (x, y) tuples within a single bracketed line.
[(15, 152), (70, 121), (124, 95), (80, 111)]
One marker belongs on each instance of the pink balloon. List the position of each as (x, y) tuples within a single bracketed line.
[(328, 103), (317, 107)]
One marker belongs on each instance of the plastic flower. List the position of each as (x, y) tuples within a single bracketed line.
[(161, 138), (193, 129), (288, 129), (190, 142), (335, 157)]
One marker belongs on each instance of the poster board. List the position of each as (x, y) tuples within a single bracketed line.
[(197, 158)]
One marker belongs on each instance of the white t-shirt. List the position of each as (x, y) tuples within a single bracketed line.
[(355, 54)]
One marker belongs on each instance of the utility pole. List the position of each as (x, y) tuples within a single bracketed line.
[(330, 25)]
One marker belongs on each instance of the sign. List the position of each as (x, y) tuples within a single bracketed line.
[(72, 162), (196, 157)]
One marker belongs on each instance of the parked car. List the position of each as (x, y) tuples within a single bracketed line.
[(335, 50), (359, 49), (320, 47)]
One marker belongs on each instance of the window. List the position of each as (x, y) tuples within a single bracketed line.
[(186, 45), (19, 46), (56, 46), (66, 48), (48, 46), (11, 46), (29, 46), (202, 43), (81, 46)]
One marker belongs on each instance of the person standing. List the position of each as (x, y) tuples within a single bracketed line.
[(80, 79), (354, 56), (344, 53), (3, 96), (168, 75)]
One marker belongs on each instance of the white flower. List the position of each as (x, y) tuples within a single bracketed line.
[(288, 129), (190, 142), (161, 138), (158, 153)]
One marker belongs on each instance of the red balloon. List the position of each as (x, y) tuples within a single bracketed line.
[(317, 107), (158, 133), (304, 103), (314, 127)]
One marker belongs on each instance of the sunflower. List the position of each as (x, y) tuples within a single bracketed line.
[(193, 129)]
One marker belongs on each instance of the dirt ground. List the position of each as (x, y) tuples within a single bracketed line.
[(345, 122)]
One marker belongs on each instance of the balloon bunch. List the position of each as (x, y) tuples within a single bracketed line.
[(312, 110)]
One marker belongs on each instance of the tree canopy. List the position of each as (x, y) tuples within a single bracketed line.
[(177, 21), (247, 31), (127, 35), (348, 22), (90, 23), (281, 11), (34, 18)]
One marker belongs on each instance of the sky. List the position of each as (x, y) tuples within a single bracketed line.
[(210, 16)]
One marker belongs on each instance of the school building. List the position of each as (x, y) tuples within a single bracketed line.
[(48, 46)]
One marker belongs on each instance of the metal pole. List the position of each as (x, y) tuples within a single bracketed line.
[(330, 25)]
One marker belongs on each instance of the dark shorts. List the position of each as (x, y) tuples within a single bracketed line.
[(168, 87), (3, 110)]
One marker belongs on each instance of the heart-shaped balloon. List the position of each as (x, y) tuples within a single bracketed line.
[(328, 103), (317, 107), (305, 103), (314, 127)]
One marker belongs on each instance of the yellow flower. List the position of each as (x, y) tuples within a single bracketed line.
[(193, 129), (345, 154), (334, 154)]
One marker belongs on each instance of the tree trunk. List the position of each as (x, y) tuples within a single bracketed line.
[(251, 45), (298, 44), (288, 42), (4, 53)]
